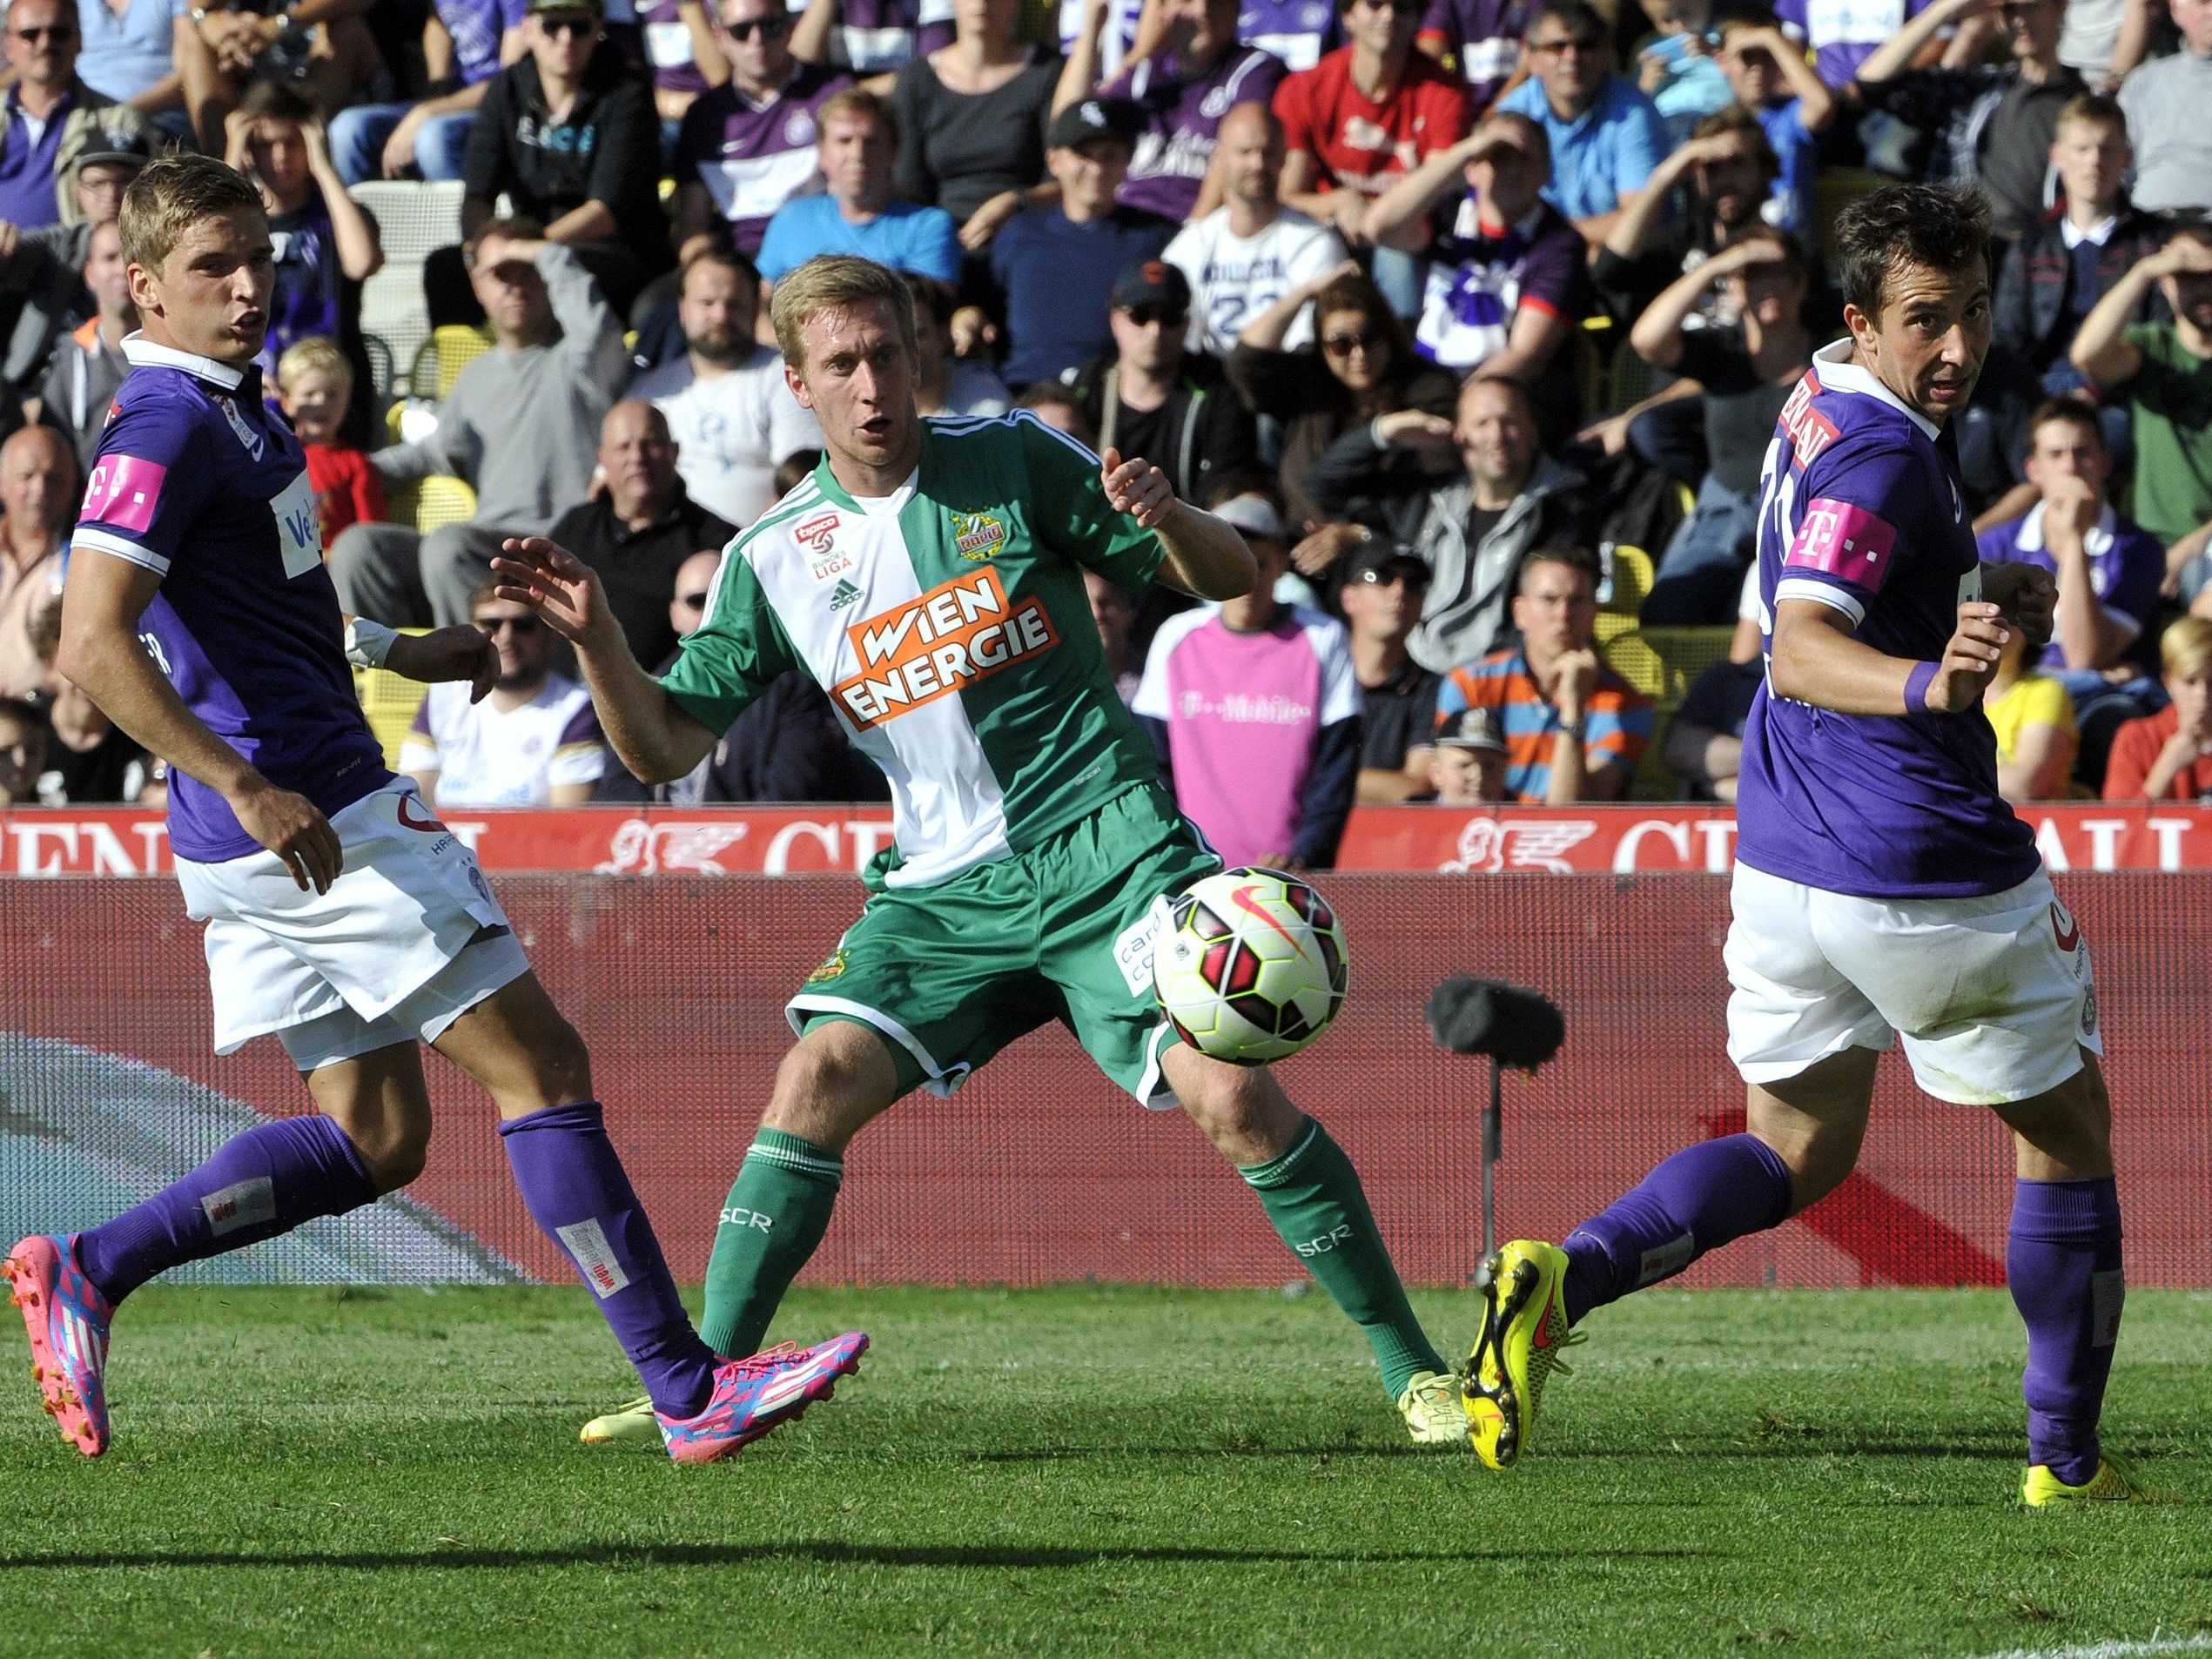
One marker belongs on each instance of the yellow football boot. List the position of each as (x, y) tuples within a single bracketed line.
[(2112, 1483), (1524, 1328), (1433, 1409)]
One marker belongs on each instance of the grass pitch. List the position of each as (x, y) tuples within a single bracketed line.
[(1097, 1471)]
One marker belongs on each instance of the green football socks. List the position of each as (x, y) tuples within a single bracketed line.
[(778, 1209), (1312, 1193)]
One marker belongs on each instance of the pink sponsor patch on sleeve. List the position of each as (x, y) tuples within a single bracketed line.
[(1843, 539), (123, 492)]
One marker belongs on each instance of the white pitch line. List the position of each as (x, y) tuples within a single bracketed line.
[(2155, 1645)]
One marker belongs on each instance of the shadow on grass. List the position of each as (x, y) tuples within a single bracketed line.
[(821, 1552)]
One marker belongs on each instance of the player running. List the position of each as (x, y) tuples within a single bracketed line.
[(340, 914), (1882, 886), (930, 575)]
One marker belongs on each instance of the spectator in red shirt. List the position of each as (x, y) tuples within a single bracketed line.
[(1365, 115), (2168, 756), (314, 386)]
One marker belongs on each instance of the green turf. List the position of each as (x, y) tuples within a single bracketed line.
[(1095, 1471)]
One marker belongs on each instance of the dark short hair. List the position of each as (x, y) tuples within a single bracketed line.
[(728, 258), (515, 227), (2193, 230), (2072, 408), (1935, 227), (267, 100), (1743, 14), (1793, 253), (1578, 15), (1559, 552), (1735, 119)]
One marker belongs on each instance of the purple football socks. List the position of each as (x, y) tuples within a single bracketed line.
[(262, 1183), (1696, 1200), (2062, 1260), (578, 1193)]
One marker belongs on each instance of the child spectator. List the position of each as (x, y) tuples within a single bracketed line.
[(2033, 720), (2162, 756), (314, 386), (1675, 67), (1467, 765)]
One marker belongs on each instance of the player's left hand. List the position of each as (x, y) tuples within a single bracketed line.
[(460, 653), (2028, 596), (1137, 487)]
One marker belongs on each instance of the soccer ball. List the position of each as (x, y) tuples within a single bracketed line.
[(1249, 965)]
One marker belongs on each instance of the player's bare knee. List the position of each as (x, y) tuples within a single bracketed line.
[(1243, 1112), (833, 1080), (2065, 1133)]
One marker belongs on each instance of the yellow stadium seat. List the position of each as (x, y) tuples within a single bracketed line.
[(389, 701), (426, 503), (1631, 582), (439, 359), (1662, 663)]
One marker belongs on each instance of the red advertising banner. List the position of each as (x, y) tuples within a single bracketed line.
[(822, 839)]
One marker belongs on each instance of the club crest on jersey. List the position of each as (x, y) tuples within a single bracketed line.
[(977, 535), (246, 435), (832, 967), (958, 633)]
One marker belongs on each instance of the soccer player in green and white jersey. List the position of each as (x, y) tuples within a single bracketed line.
[(929, 575)]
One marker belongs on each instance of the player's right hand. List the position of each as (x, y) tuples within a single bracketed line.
[(293, 828), (1969, 661), (554, 583)]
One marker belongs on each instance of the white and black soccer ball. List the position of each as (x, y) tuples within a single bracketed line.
[(1249, 965)]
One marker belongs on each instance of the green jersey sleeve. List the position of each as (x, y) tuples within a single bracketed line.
[(1071, 512), (735, 654)]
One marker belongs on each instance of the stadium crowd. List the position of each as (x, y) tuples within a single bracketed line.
[(1475, 316)]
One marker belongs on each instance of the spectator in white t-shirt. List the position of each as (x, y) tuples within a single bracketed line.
[(533, 742), (1248, 253), (728, 409)]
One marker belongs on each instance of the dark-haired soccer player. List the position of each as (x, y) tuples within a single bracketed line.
[(340, 914), (1883, 888)]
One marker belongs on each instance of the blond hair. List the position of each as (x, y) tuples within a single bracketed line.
[(173, 194), (836, 282), (2185, 650), (316, 354), (858, 103)]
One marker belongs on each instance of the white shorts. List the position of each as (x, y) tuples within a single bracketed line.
[(1993, 995), (406, 940)]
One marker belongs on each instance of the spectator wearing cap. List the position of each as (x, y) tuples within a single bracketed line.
[(1474, 530), (466, 43), (1366, 115), (1508, 278), (42, 279), (1993, 124), (787, 745), (50, 119), (2166, 100), (857, 211), (1056, 264), (2168, 756), (1251, 250), (1574, 729), (748, 146), (568, 135), (728, 407), (1467, 762), (533, 742), (1157, 399), (88, 364), (1180, 91), (1256, 712), (1704, 744), (1384, 585), (638, 531), (1603, 135)]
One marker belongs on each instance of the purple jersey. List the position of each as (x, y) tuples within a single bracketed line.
[(753, 158), (476, 27), (1297, 32), (668, 48), (1845, 33), (1485, 39), (883, 37), (1861, 509), (196, 481), (1182, 119)]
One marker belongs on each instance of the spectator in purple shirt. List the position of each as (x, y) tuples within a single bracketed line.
[(465, 43), (1198, 73), (1508, 279), (748, 146), (686, 58), (1482, 38), (49, 117)]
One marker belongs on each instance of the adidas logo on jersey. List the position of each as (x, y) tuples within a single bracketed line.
[(842, 595)]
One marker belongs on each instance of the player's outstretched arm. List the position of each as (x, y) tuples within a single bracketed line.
[(1816, 660), (463, 652), (657, 739), (101, 655), (1205, 558)]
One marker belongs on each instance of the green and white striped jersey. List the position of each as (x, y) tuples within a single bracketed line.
[(949, 625)]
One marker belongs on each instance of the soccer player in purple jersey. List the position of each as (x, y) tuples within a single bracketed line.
[(1882, 886), (341, 915)]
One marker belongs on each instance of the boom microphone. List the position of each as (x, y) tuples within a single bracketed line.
[(1511, 1025)]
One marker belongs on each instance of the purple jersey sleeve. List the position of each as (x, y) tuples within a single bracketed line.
[(1555, 275), (1848, 548), (147, 487)]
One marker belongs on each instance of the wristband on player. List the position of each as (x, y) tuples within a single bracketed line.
[(368, 643), (1916, 688)]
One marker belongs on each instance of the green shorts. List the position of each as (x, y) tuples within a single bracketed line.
[(950, 973)]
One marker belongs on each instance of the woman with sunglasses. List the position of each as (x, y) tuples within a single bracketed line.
[(1365, 367)]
